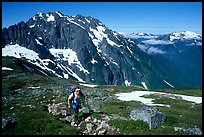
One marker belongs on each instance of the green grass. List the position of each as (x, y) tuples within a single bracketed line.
[(130, 127), (118, 89), (191, 92), (33, 122), (122, 108)]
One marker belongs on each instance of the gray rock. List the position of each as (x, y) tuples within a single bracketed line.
[(148, 114), (102, 132), (4, 122), (103, 125), (8, 123), (89, 127), (167, 96), (194, 131), (85, 110), (63, 112), (94, 104)]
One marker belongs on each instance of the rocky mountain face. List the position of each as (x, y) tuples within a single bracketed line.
[(82, 48)]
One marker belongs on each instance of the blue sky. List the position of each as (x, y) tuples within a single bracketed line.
[(127, 17)]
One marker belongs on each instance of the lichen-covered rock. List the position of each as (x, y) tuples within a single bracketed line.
[(148, 114)]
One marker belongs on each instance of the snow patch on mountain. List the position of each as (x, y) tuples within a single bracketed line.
[(99, 34), (184, 35), (19, 51), (127, 83), (59, 14), (31, 56), (87, 20), (38, 42), (129, 50), (71, 21), (144, 85), (88, 85), (93, 61), (6, 68), (32, 26), (70, 72), (50, 18), (168, 84), (68, 55)]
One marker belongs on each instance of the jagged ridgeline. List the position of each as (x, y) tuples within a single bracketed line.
[(84, 49)]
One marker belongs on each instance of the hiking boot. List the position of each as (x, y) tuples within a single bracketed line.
[(76, 119), (77, 122), (68, 111)]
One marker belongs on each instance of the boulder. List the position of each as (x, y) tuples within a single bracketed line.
[(149, 114), (85, 110), (8, 123)]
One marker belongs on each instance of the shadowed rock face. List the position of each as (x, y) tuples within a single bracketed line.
[(148, 114)]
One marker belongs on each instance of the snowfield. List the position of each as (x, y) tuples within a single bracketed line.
[(137, 96), (6, 68)]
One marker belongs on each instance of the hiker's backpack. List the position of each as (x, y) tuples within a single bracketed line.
[(69, 92)]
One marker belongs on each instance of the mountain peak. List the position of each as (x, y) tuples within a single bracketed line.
[(49, 16), (184, 35), (140, 35)]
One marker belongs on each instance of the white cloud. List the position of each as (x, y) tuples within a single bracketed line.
[(150, 50), (153, 41), (122, 33), (153, 50), (142, 47), (199, 43), (139, 36)]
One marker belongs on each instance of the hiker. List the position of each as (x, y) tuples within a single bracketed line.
[(74, 100), (70, 91)]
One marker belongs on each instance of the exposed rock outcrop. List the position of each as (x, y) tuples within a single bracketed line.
[(148, 114)]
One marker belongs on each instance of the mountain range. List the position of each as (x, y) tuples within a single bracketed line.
[(84, 49)]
